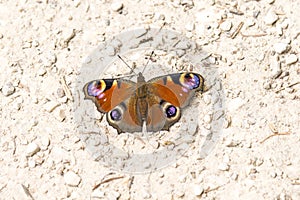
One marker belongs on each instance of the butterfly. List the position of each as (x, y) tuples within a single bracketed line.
[(156, 104)]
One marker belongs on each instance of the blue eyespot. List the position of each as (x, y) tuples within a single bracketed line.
[(171, 111), (116, 115), (191, 81), (94, 89)]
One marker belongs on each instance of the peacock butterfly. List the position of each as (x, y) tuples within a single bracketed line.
[(156, 104)]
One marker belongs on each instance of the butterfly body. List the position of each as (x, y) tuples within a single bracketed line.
[(156, 103)]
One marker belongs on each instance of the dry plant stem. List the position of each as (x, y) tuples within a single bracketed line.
[(254, 35), (275, 133), (66, 88), (106, 181), (238, 29)]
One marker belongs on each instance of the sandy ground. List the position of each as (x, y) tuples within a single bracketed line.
[(254, 46)]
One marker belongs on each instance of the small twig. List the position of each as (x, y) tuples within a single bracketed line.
[(290, 85), (14, 145), (275, 133), (212, 189), (254, 35), (66, 88), (27, 191), (295, 183), (106, 181), (236, 12), (205, 57), (237, 30)]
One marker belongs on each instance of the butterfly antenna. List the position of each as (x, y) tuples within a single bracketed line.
[(148, 61), (132, 70)]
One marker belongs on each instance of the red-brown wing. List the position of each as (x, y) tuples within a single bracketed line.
[(108, 93), (177, 89)]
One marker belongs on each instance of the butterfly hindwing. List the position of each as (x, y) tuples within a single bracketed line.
[(171, 93)]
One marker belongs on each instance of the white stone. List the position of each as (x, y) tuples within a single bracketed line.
[(32, 148), (226, 26), (60, 115), (182, 178), (8, 89), (198, 190), (49, 59), (116, 6), (249, 22), (98, 194), (190, 26), (31, 163), (223, 166), (45, 141), (72, 179), (291, 59), (207, 118), (271, 18), (275, 69), (50, 106), (280, 47), (146, 194), (234, 176), (111, 51)]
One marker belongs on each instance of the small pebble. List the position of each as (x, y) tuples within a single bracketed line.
[(8, 89), (116, 6), (198, 190), (190, 26), (31, 163), (72, 179), (227, 122), (45, 141), (87, 60), (98, 194), (226, 26), (271, 18), (146, 194), (179, 193), (270, 1), (223, 166), (60, 115), (207, 118), (110, 50), (60, 93), (249, 22), (32, 148), (280, 47), (267, 85), (49, 59), (182, 179), (291, 59), (275, 69), (273, 174), (234, 176)]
